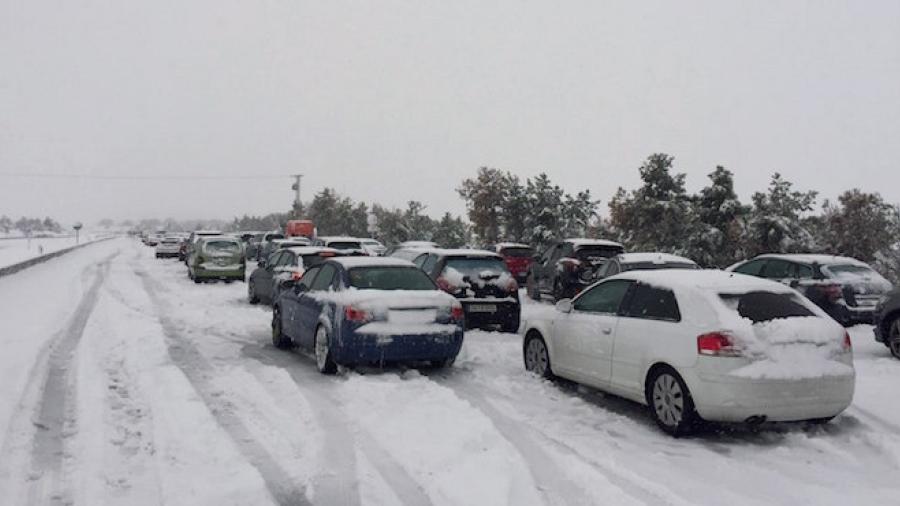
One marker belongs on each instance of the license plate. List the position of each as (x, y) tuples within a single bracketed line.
[(482, 308), (412, 316)]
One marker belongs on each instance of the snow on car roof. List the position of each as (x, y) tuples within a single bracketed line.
[(340, 238), (501, 245), (814, 258), (363, 261), (461, 252), (207, 232), (592, 242), (654, 258), (229, 238), (703, 280), (417, 244), (310, 250)]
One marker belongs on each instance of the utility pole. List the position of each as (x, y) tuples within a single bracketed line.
[(298, 204)]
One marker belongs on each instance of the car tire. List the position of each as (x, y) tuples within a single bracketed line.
[(670, 402), (279, 340), (536, 355), (324, 360), (531, 284), (197, 280), (251, 293), (893, 337)]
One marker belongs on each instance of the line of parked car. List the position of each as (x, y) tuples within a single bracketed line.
[(760, 341)]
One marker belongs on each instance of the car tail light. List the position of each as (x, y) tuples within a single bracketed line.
[(296, 275), (446, 286), (456, 312), (512, 286), (848, 344), (717, 344), (354, 314)]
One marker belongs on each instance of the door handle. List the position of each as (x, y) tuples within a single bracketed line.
[(606, 331)]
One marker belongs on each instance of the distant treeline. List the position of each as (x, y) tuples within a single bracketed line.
[(28, 226)]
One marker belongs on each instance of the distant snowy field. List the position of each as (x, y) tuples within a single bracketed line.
[(13, 251), (129, 384)]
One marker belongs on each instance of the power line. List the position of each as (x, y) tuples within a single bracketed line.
[(139, 178)]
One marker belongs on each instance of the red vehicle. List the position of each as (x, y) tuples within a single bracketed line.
[(518, 258), (300, 228)]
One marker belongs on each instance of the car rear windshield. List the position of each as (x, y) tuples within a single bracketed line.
[(222, 247), (517, 252), (272, 237), (345, 245), (849, 269), (593, 253), (764, 306), (475, 266), (649, 266), (390, 278)]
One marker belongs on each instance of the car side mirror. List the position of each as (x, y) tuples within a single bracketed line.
[(795, 283), (564, 306)]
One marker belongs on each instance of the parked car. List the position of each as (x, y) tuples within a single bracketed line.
[(887, 322), (360, 310), (567, 267), (480, 281), (341, 243), (273, 245), (168, 247), (217, 257), (256, 248), (185, 252), (409, 245), (698, 345), (518, 258), (845, 288), (643, 262), (265, 281), (373, 247)]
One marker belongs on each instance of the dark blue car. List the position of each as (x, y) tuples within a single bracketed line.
[(365, 310)]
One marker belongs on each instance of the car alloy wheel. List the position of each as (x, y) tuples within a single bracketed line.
[(323, 352), (894, 338), (668, 400), (537, 359)]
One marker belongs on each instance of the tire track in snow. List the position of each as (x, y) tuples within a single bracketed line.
[(339, 435), (552, 483), (55, 418), (198, 371)]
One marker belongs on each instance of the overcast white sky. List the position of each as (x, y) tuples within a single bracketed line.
[(392, 101)]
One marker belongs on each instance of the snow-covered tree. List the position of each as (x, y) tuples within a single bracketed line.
[(775, 223), (545, 208), (485, 196), (860, 225), (450, 232), (716, 235)]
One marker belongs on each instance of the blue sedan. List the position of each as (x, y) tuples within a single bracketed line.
[(364, 310)]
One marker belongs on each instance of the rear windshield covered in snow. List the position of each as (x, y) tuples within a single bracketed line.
[(765, 306), (222, 247), (517, 252), (593, 253), (390, 278), (849, 269), (475, 266)]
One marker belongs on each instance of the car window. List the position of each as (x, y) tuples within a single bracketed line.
[(286, 259), (474, 267), (802, 271), (429, 263), (222, 247), (273, 259), (777, 269), (420, 260), (325, 279), (612, 268), (603, 298), (308, 277), (390, 278), (765, 306), (751, 268), (345, 245), (652, 303)]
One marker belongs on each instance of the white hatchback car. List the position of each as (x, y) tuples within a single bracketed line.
[(694, 345)]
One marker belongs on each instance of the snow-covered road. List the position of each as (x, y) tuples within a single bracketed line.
[(122, 382)]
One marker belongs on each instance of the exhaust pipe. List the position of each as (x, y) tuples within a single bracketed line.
[(755, 420)]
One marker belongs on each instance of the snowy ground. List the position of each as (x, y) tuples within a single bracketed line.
[(13, 251), (122, 382)]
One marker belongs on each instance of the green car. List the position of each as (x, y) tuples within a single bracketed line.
[(217, 257)]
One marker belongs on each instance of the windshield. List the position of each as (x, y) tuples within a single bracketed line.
[(345, 245), (596, 253), (390, 278), (272, 237), (222, 247), (517, 252), (476, 266), (849, 269), (764, 306)]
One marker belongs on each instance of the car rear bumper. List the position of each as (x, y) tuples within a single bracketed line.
[(362, 348), (731, 399), (228, 272), (478, 313)]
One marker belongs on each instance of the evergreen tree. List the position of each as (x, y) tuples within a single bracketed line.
[(515, 216), (775, 223), (450, 232), (486, 196), (544, 211), (860, 225), (717, 238)]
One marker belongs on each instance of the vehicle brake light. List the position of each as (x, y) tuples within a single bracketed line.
[(446, 286), (848, 344), (296, 275), (326, 254), (355, 314), (716, 344), (456, 312), (512, 286)]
